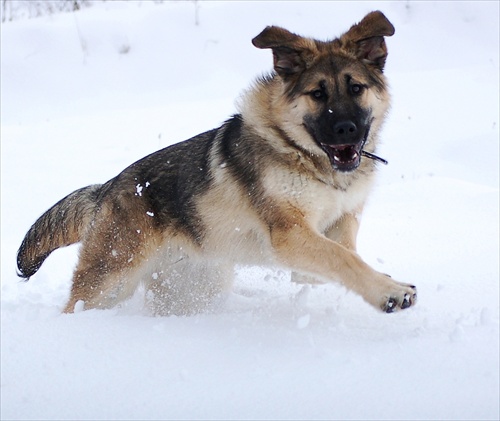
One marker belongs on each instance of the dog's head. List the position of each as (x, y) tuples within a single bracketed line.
[(334, 92)]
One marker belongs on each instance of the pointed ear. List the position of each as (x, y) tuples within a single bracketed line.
[(291, 53), (366, 39)]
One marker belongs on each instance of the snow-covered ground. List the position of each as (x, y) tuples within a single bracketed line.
[(85, 94)]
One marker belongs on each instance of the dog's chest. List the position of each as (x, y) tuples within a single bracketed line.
[(319, 202)]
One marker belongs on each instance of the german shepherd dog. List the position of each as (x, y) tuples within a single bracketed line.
[(281, 183)]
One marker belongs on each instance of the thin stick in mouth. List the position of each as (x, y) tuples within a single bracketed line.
[(374, 157)]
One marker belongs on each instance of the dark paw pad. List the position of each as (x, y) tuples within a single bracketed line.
[(390, 306), (393, 304), (406, 301)]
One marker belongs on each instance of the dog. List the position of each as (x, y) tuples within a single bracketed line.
[(281, 183)]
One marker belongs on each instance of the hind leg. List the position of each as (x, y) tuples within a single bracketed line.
[(187, 287), (98, 288), (111, 258), (104, 278), (102, 285)]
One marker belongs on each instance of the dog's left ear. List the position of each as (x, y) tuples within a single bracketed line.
[(366, 39), (291, 53)]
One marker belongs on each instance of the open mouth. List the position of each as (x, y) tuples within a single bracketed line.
[(347, 157), (344, 157)]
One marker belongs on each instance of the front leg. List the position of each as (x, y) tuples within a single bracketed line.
[(301, 249), (344, 232)]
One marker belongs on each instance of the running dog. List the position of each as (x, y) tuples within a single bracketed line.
[(281, 183)]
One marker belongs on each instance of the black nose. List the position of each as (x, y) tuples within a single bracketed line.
[(345, 131)]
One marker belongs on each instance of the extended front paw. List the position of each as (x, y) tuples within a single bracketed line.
[(400, 297)]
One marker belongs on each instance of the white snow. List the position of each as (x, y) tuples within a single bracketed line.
[(85, 94)]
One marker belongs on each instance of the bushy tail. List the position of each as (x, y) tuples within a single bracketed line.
[(63, 224)]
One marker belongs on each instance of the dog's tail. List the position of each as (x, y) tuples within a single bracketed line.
[(63, 224)]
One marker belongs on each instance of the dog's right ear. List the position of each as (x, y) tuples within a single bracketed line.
[(291, 53)]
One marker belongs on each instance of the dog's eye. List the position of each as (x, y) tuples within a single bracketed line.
[(356, 89), (318, 94)]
